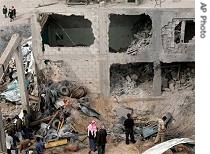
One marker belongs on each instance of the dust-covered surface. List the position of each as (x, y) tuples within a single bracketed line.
[(181, 126), (131, 79)]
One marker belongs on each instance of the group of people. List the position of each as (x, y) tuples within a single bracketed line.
[(16, 132), (11, 13), (97, 136), (19, 132)]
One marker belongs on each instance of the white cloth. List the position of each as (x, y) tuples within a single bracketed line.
[(9, 141)]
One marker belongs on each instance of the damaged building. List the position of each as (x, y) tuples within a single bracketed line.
[(104, 47), (100, 62)]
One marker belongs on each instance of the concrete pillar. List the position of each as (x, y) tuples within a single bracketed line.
[(104, 50), (21, 79), (2, 135), (157, 48), (157, 81), (183, 31)]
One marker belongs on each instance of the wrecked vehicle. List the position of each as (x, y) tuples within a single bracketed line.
[(177, 143)]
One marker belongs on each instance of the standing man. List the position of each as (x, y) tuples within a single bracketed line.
[(5, 11), (11, 131), (10, 14), (9, 143), (129, 123), (26, 123), (39, 146), (92, 129), (101, 139), (19, 127), (161, 131), (14, 12)]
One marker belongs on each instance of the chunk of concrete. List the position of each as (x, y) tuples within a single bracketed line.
[(122, 111)]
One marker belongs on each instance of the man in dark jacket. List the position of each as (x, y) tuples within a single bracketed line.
[(19, 127), (129, 123), (14, 12), (10, 14), (11, 130), (26, 124), (10, 127), (101, 139), (5, 11)]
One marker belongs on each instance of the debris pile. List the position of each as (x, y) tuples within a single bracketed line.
[(62, 108), (178, 77), (144, 128), (141, 37), (9, 83), (133, 78), (140, 42)]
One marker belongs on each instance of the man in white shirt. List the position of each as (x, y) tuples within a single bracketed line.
[(161, 131), (9, 143)]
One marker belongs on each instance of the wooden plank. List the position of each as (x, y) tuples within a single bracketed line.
[(34, 98), (52, 144), (41, 120), (1, 71), (8, 52), (21, 79)]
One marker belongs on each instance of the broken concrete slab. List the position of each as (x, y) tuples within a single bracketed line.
[(122, 111)]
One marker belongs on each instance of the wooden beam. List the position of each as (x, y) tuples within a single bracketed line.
[(14, 49), (1, 71), (8, 52), (52, 144), (21, 79), (34, 123)]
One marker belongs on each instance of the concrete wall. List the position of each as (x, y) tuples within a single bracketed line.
[(90, 65)]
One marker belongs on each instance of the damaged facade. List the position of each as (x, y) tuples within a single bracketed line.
[(90, 46)]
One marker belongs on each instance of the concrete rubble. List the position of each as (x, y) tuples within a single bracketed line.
[(131, 79), (140, 42), (9, 83), (178, 77)]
